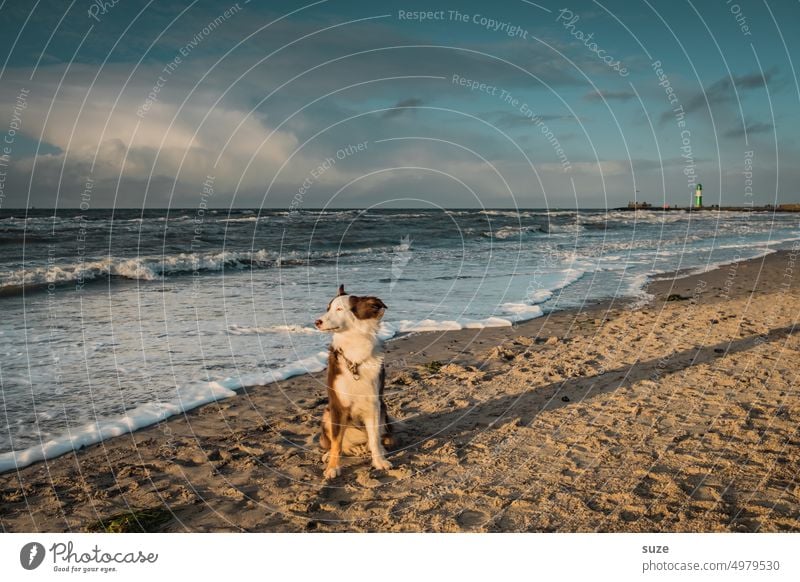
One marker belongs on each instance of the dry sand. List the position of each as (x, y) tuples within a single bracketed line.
[(682, 415)]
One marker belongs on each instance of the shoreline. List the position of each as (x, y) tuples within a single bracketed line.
[(252, 463), (192, 396)]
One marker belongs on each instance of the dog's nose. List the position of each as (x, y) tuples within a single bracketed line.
[(318, 323)]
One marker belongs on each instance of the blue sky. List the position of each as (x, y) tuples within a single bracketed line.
[(504, 104)]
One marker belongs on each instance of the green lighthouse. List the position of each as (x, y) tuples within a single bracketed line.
[(698, 196)]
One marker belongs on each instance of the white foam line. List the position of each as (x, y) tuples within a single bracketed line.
[(188, 397), (246, 330), (641, 281)]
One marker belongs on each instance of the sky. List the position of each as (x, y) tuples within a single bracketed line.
[(330, 104)]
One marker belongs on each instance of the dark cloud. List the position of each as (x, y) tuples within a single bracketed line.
[(644, 165), (599, 95), (511, 120), (403, 106), (751, 128), (722, 91)]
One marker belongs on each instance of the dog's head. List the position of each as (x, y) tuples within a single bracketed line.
[(349, 312)]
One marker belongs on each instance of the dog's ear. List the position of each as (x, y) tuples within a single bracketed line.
[(367, 307), (341, 290)]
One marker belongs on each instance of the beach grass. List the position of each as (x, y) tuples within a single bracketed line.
[(134, 521)]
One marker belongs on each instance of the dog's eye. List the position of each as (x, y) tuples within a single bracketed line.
[(338, 309)]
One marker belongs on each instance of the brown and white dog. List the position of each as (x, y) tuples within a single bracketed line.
[(356, 413)]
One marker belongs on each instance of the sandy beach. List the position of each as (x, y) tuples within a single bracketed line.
[(679, 414)]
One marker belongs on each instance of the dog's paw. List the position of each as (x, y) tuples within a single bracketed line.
[(332, 472), (381, 464)]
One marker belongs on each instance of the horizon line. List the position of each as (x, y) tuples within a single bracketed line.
[(273, 208)]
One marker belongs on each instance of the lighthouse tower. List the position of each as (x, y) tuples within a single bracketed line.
[(698, 196)]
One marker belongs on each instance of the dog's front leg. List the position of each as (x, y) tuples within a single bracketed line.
[(372, 424), (340, 417)]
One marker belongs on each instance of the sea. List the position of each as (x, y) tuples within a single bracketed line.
[(117, 319)]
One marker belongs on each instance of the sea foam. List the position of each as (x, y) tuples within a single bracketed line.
[(186, 398)]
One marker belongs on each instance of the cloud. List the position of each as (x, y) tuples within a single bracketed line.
[(511, 120), (93, 124), (599, 95), (596, 168), (403, 107), (722, 91), (749, 128), (108, 139)]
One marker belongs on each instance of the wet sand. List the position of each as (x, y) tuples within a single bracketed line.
[(681, 414)]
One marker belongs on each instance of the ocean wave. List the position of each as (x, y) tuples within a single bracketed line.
[(522, 309), (572, 228), (153, 268), (244, 219), (506, 213), (390, 329), (629, 217), (507, 232), (561, 279), (257, 330), (626, 217), (139, 268), (560, 212)]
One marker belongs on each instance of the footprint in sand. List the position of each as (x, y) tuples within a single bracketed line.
[(472, 519)]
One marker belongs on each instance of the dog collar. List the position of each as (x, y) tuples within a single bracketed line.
[(351, 365)]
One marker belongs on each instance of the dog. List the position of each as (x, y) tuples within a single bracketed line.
[(355, 419)]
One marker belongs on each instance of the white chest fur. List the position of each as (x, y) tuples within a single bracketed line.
[(360, 395)]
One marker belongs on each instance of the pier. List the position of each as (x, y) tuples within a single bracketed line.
[(632, 206)]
